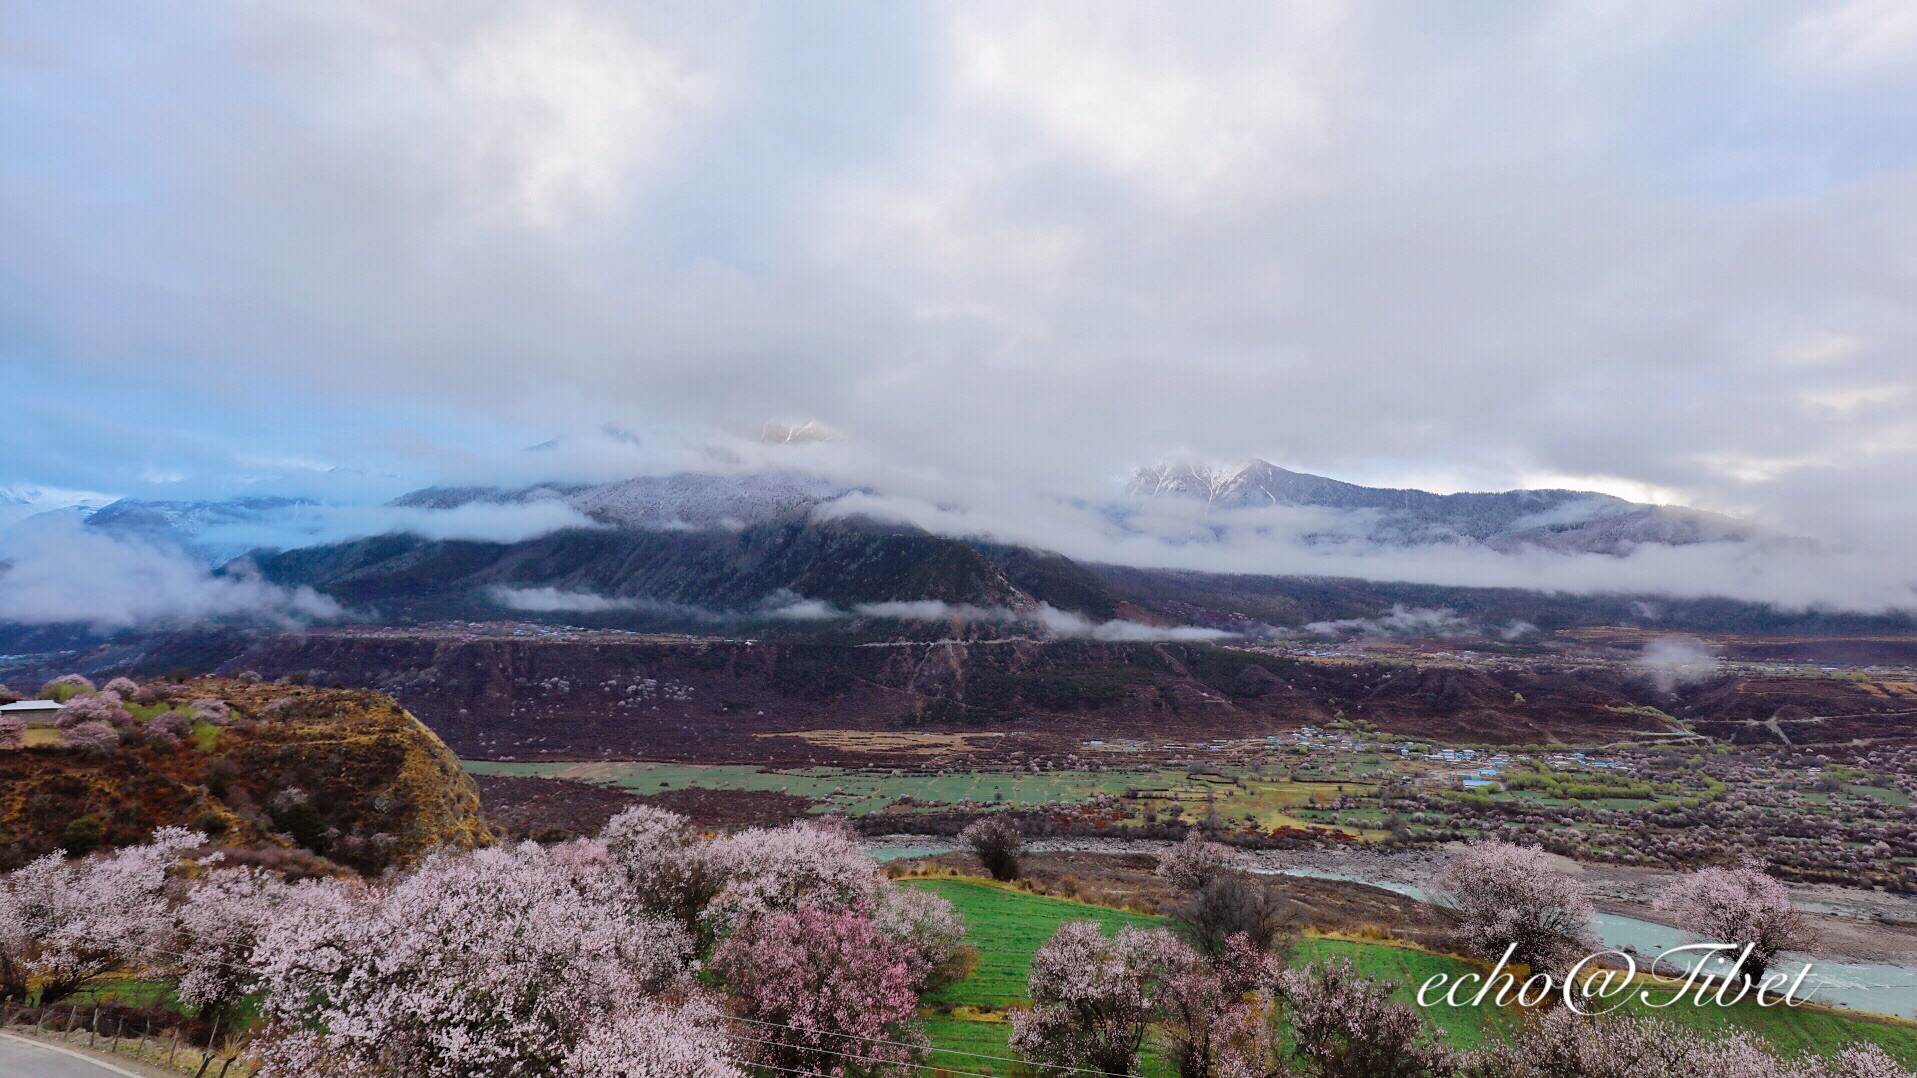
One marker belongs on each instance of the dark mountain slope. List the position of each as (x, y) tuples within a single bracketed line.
[(841, 562)]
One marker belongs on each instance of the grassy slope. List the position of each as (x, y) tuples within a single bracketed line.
[(1007, 926)]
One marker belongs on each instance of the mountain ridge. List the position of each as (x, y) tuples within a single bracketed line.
[(1568, 521)]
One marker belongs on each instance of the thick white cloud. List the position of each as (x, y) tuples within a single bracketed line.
[(61, 572), (1006, 250)]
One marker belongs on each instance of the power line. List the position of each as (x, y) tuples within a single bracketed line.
[(902, 1044), (864, 1059)]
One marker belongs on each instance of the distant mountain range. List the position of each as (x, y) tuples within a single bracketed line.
[(19, 502), (1567, 521), (188, 525), (702, 552)]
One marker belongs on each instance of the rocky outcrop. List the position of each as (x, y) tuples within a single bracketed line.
[(346, 774)]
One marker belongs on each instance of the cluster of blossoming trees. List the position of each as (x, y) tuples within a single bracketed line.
[(653, 951), (578, 959), (1240, 1013), (98, 718), (1507, 897)]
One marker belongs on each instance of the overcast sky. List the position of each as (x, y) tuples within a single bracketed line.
[(1662, 249)]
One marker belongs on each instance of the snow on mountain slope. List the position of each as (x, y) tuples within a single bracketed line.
[(22, 501), (1563, 520), (193, 527), (702, 501), (656, 503)]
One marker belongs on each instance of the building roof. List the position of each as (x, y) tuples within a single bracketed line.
[(30, 706)]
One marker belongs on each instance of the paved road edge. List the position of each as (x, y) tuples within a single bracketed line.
[(100, 1063)]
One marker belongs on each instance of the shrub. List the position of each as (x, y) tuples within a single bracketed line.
[(82, 836), (1227, 906), (65, 687), (996, 843), (125, 687), (219, 777), (13, 732), (302, 821)]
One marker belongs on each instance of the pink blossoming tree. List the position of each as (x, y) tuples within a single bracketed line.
[(1093, 997), (929, 927), (1344, 1025), (664, 866), (779, 870), (497, 962), (1560, 1044), (825, 991), (1742, 907), (1503, 896), (656, 1039), (1215, 1013), (1195, 862), (216, 922), (66, 924), (100, 707), (65, 687), (90, 737)]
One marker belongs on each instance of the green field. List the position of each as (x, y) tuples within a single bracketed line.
[(1007, 926), (1269, 803), (857, 792)]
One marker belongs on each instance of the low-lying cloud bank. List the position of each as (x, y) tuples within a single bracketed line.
[(1402, 621), (1287, 541), (782, 606), (1056, 622), (63, 574), (1672, 661), (1046, 619), (306, 524)]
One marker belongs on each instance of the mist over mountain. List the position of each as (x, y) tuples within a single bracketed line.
[(1180, 550), (1559, 520), (682, 501), (204, 530)]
